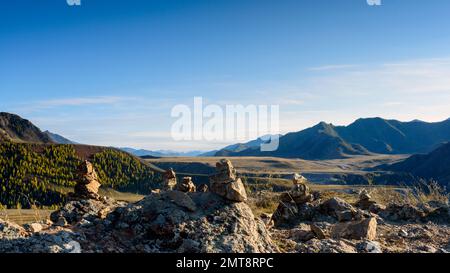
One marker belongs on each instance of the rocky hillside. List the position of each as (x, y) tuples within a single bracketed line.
[(434, 165), (307, 223), (16, 129), (364, 136), (168, 221)]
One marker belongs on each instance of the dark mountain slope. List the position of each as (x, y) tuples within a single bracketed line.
[(435, 165), (395, 137), (16, 129)]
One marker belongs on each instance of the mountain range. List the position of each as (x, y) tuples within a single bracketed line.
[(362, 137), (236, 148), (160, 153)]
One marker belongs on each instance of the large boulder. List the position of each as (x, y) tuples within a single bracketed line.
[(226, 184), (339, 209), (356, 230)]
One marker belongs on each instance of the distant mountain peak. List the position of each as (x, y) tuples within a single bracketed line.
[(58, 138)]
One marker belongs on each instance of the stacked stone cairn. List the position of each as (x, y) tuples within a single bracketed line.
[(87, 183), (226, 184), (169, 180), (186, 185)]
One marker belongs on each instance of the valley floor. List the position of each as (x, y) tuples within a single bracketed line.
[(286, 165)]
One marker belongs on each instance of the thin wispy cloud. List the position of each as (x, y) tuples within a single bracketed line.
[(290, 101), (82, 101), (30, 107), (332, 67)]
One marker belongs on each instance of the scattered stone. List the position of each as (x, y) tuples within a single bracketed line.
[(35, 227), (369, 247), (267, 219), (186, 185), (336, 206), (326, 246), (226, 184), (318, 231), (428, 249), (302, 233), (61, 222), (403, 233), (345, 215), (376, 208), (10, 231)]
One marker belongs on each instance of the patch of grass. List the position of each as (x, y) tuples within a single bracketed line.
[(25, 216), (416, 195), (431, 191)]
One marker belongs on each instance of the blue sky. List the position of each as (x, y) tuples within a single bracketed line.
[(109, 72)]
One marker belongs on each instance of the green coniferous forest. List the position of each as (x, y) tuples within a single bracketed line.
[(39, 175)]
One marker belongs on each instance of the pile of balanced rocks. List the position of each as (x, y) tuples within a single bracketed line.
[(87, 182), (169, 180), (226, 184), (186, 185)]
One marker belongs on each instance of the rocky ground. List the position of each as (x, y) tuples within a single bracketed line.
[(308, 224), (181, 218)]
